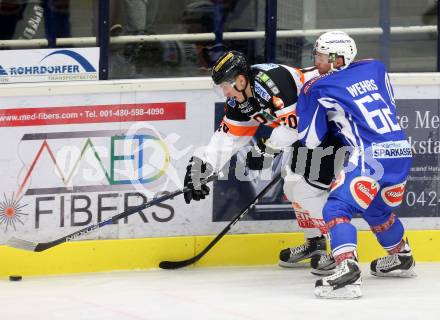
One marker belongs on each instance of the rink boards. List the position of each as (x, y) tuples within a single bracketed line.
[(74, 154), (146, 253)]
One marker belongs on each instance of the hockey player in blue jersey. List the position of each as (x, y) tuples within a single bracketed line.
[(266, 95), (354, 101)]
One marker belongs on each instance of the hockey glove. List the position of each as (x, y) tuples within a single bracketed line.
[(261, 155), (196, 171), (250, 107)]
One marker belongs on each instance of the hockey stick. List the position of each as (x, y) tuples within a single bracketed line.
[(38, 247), (187, 262)]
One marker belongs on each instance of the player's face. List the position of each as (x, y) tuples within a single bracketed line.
[(321, 62), (231, 89), (323, 65)]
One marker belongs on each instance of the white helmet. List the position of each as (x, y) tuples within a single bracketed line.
[(336, 44)]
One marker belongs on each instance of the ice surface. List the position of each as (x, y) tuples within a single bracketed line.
[(266, 292)]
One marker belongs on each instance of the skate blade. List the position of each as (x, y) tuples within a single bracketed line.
[(318, 272), (351, 291), (396, 274), (298, 265)]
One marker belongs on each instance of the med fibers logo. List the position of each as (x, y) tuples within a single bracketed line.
[(56, 69)]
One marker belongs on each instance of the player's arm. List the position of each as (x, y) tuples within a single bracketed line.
[(312, 118), (273, 112), (226, 141), (282, 137), (234, 132)]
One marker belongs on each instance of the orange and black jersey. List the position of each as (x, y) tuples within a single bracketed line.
[(276, 88)]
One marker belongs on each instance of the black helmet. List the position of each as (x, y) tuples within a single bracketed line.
[(228, 66)]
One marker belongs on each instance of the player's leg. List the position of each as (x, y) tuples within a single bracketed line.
[(389, 232), (338, 211), (345, 282), (307, 202)]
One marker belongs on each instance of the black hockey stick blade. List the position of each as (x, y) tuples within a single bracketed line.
[(172, 265), (42, 246), (187, 262)]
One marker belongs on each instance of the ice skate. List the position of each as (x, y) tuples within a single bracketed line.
[(345, 283), (399, 264), (323, 265), (295, 256)]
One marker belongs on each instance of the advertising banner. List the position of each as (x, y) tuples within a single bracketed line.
[(38, 65), (421, 121), (71, 160)]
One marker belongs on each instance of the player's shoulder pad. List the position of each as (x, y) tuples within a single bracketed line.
[(309, 73), (265, 66), (308, 69), (308, 85), (264, 86)]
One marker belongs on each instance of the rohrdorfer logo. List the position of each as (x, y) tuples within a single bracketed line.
[(49, 65)]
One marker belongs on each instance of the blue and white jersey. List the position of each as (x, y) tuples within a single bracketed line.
[(356, 104)]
